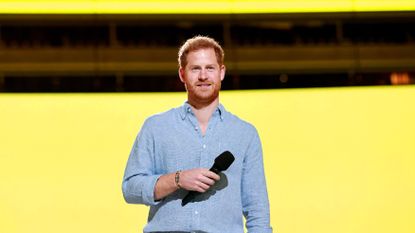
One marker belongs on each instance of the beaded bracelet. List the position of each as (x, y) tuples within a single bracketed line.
[(177, 178)]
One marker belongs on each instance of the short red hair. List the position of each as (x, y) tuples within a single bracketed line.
[(200, 42)]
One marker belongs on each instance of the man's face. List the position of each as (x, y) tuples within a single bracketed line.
[(202, 76)]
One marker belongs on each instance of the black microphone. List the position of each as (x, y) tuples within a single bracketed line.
[(222, 162)]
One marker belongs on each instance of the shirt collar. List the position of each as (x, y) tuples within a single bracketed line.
[(187, 109)]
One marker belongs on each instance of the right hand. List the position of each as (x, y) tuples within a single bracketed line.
[(198, 179)]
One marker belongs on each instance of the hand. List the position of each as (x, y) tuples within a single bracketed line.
[(198, 179)]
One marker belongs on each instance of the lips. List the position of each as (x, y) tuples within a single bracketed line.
[(203, 84)]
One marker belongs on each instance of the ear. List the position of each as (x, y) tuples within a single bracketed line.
[(181, 74), (222, 72)]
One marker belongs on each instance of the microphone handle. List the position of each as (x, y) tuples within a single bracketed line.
[(192, 194), (214, 169), (189, 196)]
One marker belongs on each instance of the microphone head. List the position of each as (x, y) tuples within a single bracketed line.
[(223, 161)]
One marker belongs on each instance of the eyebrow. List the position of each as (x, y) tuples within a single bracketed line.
[(213, 65)]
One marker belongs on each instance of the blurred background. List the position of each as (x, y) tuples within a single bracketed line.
[(328, 84), (69, 46)]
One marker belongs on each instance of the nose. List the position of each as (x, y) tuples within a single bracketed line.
[(203, 75)]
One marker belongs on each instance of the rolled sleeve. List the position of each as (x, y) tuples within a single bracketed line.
[(148, 190), (140, 190)]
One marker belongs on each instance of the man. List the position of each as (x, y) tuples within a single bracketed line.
[(175, 149)]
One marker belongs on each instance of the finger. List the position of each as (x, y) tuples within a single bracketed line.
[(207, 180), (212, 175), (203, 187), (199, 187), (200, 190)]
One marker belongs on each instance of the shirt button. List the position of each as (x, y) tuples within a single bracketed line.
[(196, 212), (204, 146), (196, 128)]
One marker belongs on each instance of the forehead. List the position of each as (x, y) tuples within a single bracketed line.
[(202, 56)]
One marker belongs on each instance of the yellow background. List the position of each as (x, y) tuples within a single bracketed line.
[(203, 6), (337, 159)]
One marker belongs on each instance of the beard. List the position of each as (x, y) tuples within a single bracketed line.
[(203, 95)]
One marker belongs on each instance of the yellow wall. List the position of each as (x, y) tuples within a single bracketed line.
[(337, 159), (203, 6)]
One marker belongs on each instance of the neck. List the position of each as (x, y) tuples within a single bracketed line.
[(203, 111)]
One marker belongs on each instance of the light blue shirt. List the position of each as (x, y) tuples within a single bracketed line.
[(172, 141)]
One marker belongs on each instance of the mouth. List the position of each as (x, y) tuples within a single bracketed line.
[(203, 84)]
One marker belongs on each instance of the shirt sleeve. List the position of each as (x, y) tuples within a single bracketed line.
[(140, 177), (255, 204)]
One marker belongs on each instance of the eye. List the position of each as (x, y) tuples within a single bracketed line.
[(210, 68), (194, 69)]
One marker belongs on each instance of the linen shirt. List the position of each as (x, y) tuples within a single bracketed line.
[(173, 141)]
